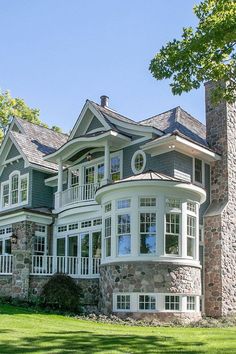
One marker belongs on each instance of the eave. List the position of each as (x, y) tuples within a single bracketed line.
[(174, 142)]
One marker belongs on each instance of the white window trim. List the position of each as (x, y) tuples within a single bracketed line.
[(203, 173), (125, 211), (26, 175), (147, 210), (138, 152)]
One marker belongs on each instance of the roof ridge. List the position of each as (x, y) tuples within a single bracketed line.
[(192, 117), (41, 126), (172, 109)]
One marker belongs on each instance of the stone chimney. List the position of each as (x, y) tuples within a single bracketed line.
[(220, 218), (104, 101)]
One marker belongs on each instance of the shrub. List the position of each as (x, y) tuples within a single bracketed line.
[(61, 292)]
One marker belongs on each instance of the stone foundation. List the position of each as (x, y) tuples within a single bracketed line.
[(147, 278), (5, 285), (182, 317)]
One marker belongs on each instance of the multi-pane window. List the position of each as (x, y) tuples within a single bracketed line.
[(74, 178), (5, 246), (173, 203), (191, 206), (89, 175), (115, 168), (147, 202), (191, 235), (107, 207), (123, 302), (40, 228), (191, 303), (14, 189), (172, 233), (62, 228), (147, 226), (97, 222), (138, 162), (73, 226), (5, 197), (147, 302), (123, 232), (123, 203), (108, 237), (39, 245), (86, 223), (172, 302), (198, 171)]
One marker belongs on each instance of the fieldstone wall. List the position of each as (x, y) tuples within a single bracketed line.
[(5, 285), (220, 218), (146, 277), (89, 290), (22, 252)]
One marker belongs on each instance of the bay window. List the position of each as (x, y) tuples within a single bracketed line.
[(123, 234), (172, 303), (15, 190)]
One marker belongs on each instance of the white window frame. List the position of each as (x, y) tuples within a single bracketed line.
[(5, 236), (120, 213), (147, 210), (9, 182), (142, 153), (180, 302), (150, 295), (201, 184)]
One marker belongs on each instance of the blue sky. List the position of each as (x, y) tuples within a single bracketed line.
[(57, 53)]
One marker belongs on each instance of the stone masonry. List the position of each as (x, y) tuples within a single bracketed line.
[(220, 218), (22, 252), (146, 277)]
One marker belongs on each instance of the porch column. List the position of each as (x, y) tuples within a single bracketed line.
[(106, 178), (60, 176)]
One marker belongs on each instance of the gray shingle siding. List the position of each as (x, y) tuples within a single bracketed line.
[(42, 196), (15, 166), (183, 166)]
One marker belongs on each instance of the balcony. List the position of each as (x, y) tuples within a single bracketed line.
[(76, 194), (84, 267), (6, 264)]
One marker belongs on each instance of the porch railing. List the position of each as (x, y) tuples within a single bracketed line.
[(6, 264), (74, 266), (76, 194)]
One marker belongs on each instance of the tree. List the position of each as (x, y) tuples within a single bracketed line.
[(16, 107), (56, 129), (206, 53)]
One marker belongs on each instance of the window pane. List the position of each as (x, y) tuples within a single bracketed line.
[(96, 244), (123, 302), (198, 170), (190, 247), (115, 168), (123, 224), (24, 189), (1, 247), (138, 162), (100, 172), (125, 203), (74, 177), (8, 246), (61, 247), (89, 175), (84, 245), (73, 246), (108, 247), (124, 245), (172, 244), (147, 243)]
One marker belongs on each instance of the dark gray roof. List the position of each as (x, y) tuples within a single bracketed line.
[(177, 120), (150, 175), (37, 141)]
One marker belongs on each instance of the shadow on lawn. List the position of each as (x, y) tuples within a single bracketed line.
[(87, 342)]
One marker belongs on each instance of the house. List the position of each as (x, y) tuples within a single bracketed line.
[(141, 214)]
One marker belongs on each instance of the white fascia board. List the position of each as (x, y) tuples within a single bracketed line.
[(187, 146), (42, 168), (19, 216), (84, 142)]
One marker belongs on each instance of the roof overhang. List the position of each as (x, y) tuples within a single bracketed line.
[(115, 140), (172, 142), (180, 186)]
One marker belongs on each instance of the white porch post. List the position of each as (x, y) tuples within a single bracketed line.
[(60, 176), (106, 178)]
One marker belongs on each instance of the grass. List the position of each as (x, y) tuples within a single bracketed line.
[(26, 331)]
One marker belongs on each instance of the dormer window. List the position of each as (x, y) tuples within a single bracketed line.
[(14, 192)]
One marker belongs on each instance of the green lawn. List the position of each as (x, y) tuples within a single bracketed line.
[(24, 331)]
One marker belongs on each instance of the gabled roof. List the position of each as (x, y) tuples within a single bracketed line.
[(178, 120), (36, 141)]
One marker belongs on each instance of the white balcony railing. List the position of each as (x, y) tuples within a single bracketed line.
[(6, 264), (76, 194), (74, 266)]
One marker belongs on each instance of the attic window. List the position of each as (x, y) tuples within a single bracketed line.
[(138, 162)]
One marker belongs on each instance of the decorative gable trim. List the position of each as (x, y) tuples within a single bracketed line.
[(96, 113)]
